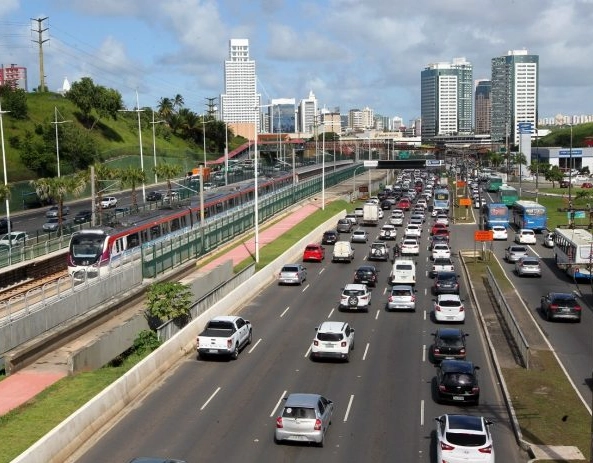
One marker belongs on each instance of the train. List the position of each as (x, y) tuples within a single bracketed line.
[(94, 252)]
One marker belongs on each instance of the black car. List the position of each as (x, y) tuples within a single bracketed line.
[(434, 239), (154, 196), (449, 343), (379, 251), (366, 274), (446, 283), (457, 382), (344, 226), (562, 306), (330, 237), (386, 204), (4, 225), (83, 216)]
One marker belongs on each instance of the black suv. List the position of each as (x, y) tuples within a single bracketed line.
[(446, 283), (379, 251), (83, 216), (457, 381), (366, 274), (330, 237), (154, 196), (344, 226), (449, 343)]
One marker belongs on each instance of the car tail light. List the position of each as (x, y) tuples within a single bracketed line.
[(486, 449), (437, 308), (445, 446), (229, 343), (461, 309), (279, 422), (315, 342), (343, 343), (553, 306), (317, 425), (390, 299), (577, 307), (413, 299), (475, 390), (436, 350)]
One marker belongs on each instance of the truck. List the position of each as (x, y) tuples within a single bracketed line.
[(343, 252), (370, 214), (224, 335)]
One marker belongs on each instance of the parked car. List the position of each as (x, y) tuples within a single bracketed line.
[(499, 232), (344, 226), (54, 211), (563, 306), (525, 236), (304, 418), (314, 252), (329, 237), (359, 236), (528, 266), (291, 274), (446, 283), (457, 382), (108, 201), (367, 275), (549, 240), (449, 343), (378, 251), (355, 296), (154, 196), (449, 308), (401, 297), (464, 438), (83, 216), (333, 340), (514, 253)]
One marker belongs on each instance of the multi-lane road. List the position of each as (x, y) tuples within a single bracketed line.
[(221, 410)]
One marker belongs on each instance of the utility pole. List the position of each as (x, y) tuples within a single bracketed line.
[(40, 41)]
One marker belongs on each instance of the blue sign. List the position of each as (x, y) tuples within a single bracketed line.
[(576, 215), (567, 153), (525, 127), (433, 162)]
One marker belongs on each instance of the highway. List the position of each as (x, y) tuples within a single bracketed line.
[(219, 410)]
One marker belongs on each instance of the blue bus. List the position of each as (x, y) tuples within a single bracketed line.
[(496, 214), (440, 199), (529, 214)]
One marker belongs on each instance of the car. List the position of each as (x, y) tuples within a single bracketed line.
[(387, 232), (380, 213), (436, 227), (442, 218), (52, 225), (514, 253), (313, 252), (171, 196), (499, 232), (446, 283), (409, 246), (108, 201), (154, 196), (449, 343), (379, 250), (359, 236), (587, 185), (15, 239), (464, 438), (353, 218), (396, 218), (413, 230), (333, 340), (479, 202), (358, 212), (457, 382), (440, 250), (208, 186), (525, 236), (404, 204), (344, 226), (442, 232), (561, 306), (417, 219), (54, 211), (355, 296), (441, 264), (528, 265), (549, 240), (291, 274), (4, 225), (366, 274), (386, 204), (449, 308), (401, 297), (304, 418), (330, 237), (439, 238), (83, 216)]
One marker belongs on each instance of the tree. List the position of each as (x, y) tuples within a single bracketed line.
[(494, 158), (132, 176), (15, 101), (166, 108), (178, 102), (169, 301), (88, 97), (4, 192), (103, 174), (168, 171), (36, 156), (519, 158), (554, 175)]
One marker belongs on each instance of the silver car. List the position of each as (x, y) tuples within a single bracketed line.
[(292, 274), (54, 211), (359, 236), (514, 253), (528, 266), (304, 418), (402, 297)]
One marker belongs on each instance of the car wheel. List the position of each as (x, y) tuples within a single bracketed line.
[(250, 338), (235, 354), (549, 316), (352, 301)]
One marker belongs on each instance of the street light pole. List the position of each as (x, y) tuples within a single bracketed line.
[(5, 180), (55, 122), (156, 180), (323, 169), (138, 111)]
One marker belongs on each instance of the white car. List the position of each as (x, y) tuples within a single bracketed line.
[(499, 232), (355, 296), (549, 240), (409, 247), (397, 217), (525, 236), (108, 201), (441, 250), (413, 230), (442, 218), (478, 203), (449, 308), (333, 340), (15, 239), (380, 213), (464, 438), (387, 232)]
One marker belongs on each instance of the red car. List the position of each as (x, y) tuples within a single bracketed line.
[(441, 232), (587, 185), (438, 226), (404, 204), (314, 252)]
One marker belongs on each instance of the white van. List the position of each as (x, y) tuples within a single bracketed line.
[(343, 252), (403, 272)]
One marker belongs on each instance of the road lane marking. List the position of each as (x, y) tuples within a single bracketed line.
[(254, 346), (377, 314), (366, 350), (424, 352), (322, 270), (348, 408), (331, 312), (308, 352), (278, 404), (285, 310), (425, 315), (422, 412), (305, 288), (210, 398)]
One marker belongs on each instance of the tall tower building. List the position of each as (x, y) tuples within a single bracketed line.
[(483, 107), (282, 115), (307, 113), (239, 104), (514, 94), (446, 98)]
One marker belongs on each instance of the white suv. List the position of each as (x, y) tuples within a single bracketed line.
[(525, 236), (355, 297), (108, 201), (334, 340)]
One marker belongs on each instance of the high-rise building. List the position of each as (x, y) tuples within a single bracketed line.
[(446, 98), (355, 120), (240, 102), (282, 115), (307, 114), (14, 76), (514, 94), (483, 107)]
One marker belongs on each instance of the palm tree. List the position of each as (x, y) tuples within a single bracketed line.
[(4, 192), (167, 171), (178, 102), (166, 108), (132, 176)]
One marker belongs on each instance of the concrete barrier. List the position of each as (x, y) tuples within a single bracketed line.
[(57, 445)]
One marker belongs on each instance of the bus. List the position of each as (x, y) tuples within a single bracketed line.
[(493, 183), (529, 214), (496, 214), (573, 250), (508, 195), (440, 199)]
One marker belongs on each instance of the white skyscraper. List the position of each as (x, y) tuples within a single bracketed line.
[(240, 98), (307, 114)]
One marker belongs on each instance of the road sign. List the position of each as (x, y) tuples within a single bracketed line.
[(460, 183), (371, 163), (483, 235), (465, 202), (434, 162)]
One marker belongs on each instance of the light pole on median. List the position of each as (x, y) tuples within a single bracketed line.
[(138, 111), (156, 180), (56, 122)]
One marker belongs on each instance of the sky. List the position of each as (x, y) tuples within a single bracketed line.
[(349, 53)]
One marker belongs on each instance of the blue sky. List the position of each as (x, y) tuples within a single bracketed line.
[(350, 53)]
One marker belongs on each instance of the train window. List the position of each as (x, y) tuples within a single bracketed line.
[(145, 236), (175, 225), (133, 240), (219, 207), (155, 232)]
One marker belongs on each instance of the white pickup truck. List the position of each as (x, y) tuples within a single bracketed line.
[(224, 335)]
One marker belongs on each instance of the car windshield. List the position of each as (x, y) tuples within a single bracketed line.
[(466, 439), (290, 268), (451, 341), (456, 379), (298, 412), (400, 292), (565, 300), (446, 276), (449, 303), (311, 248), (353, 292), (332, 337), (403, 267)]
